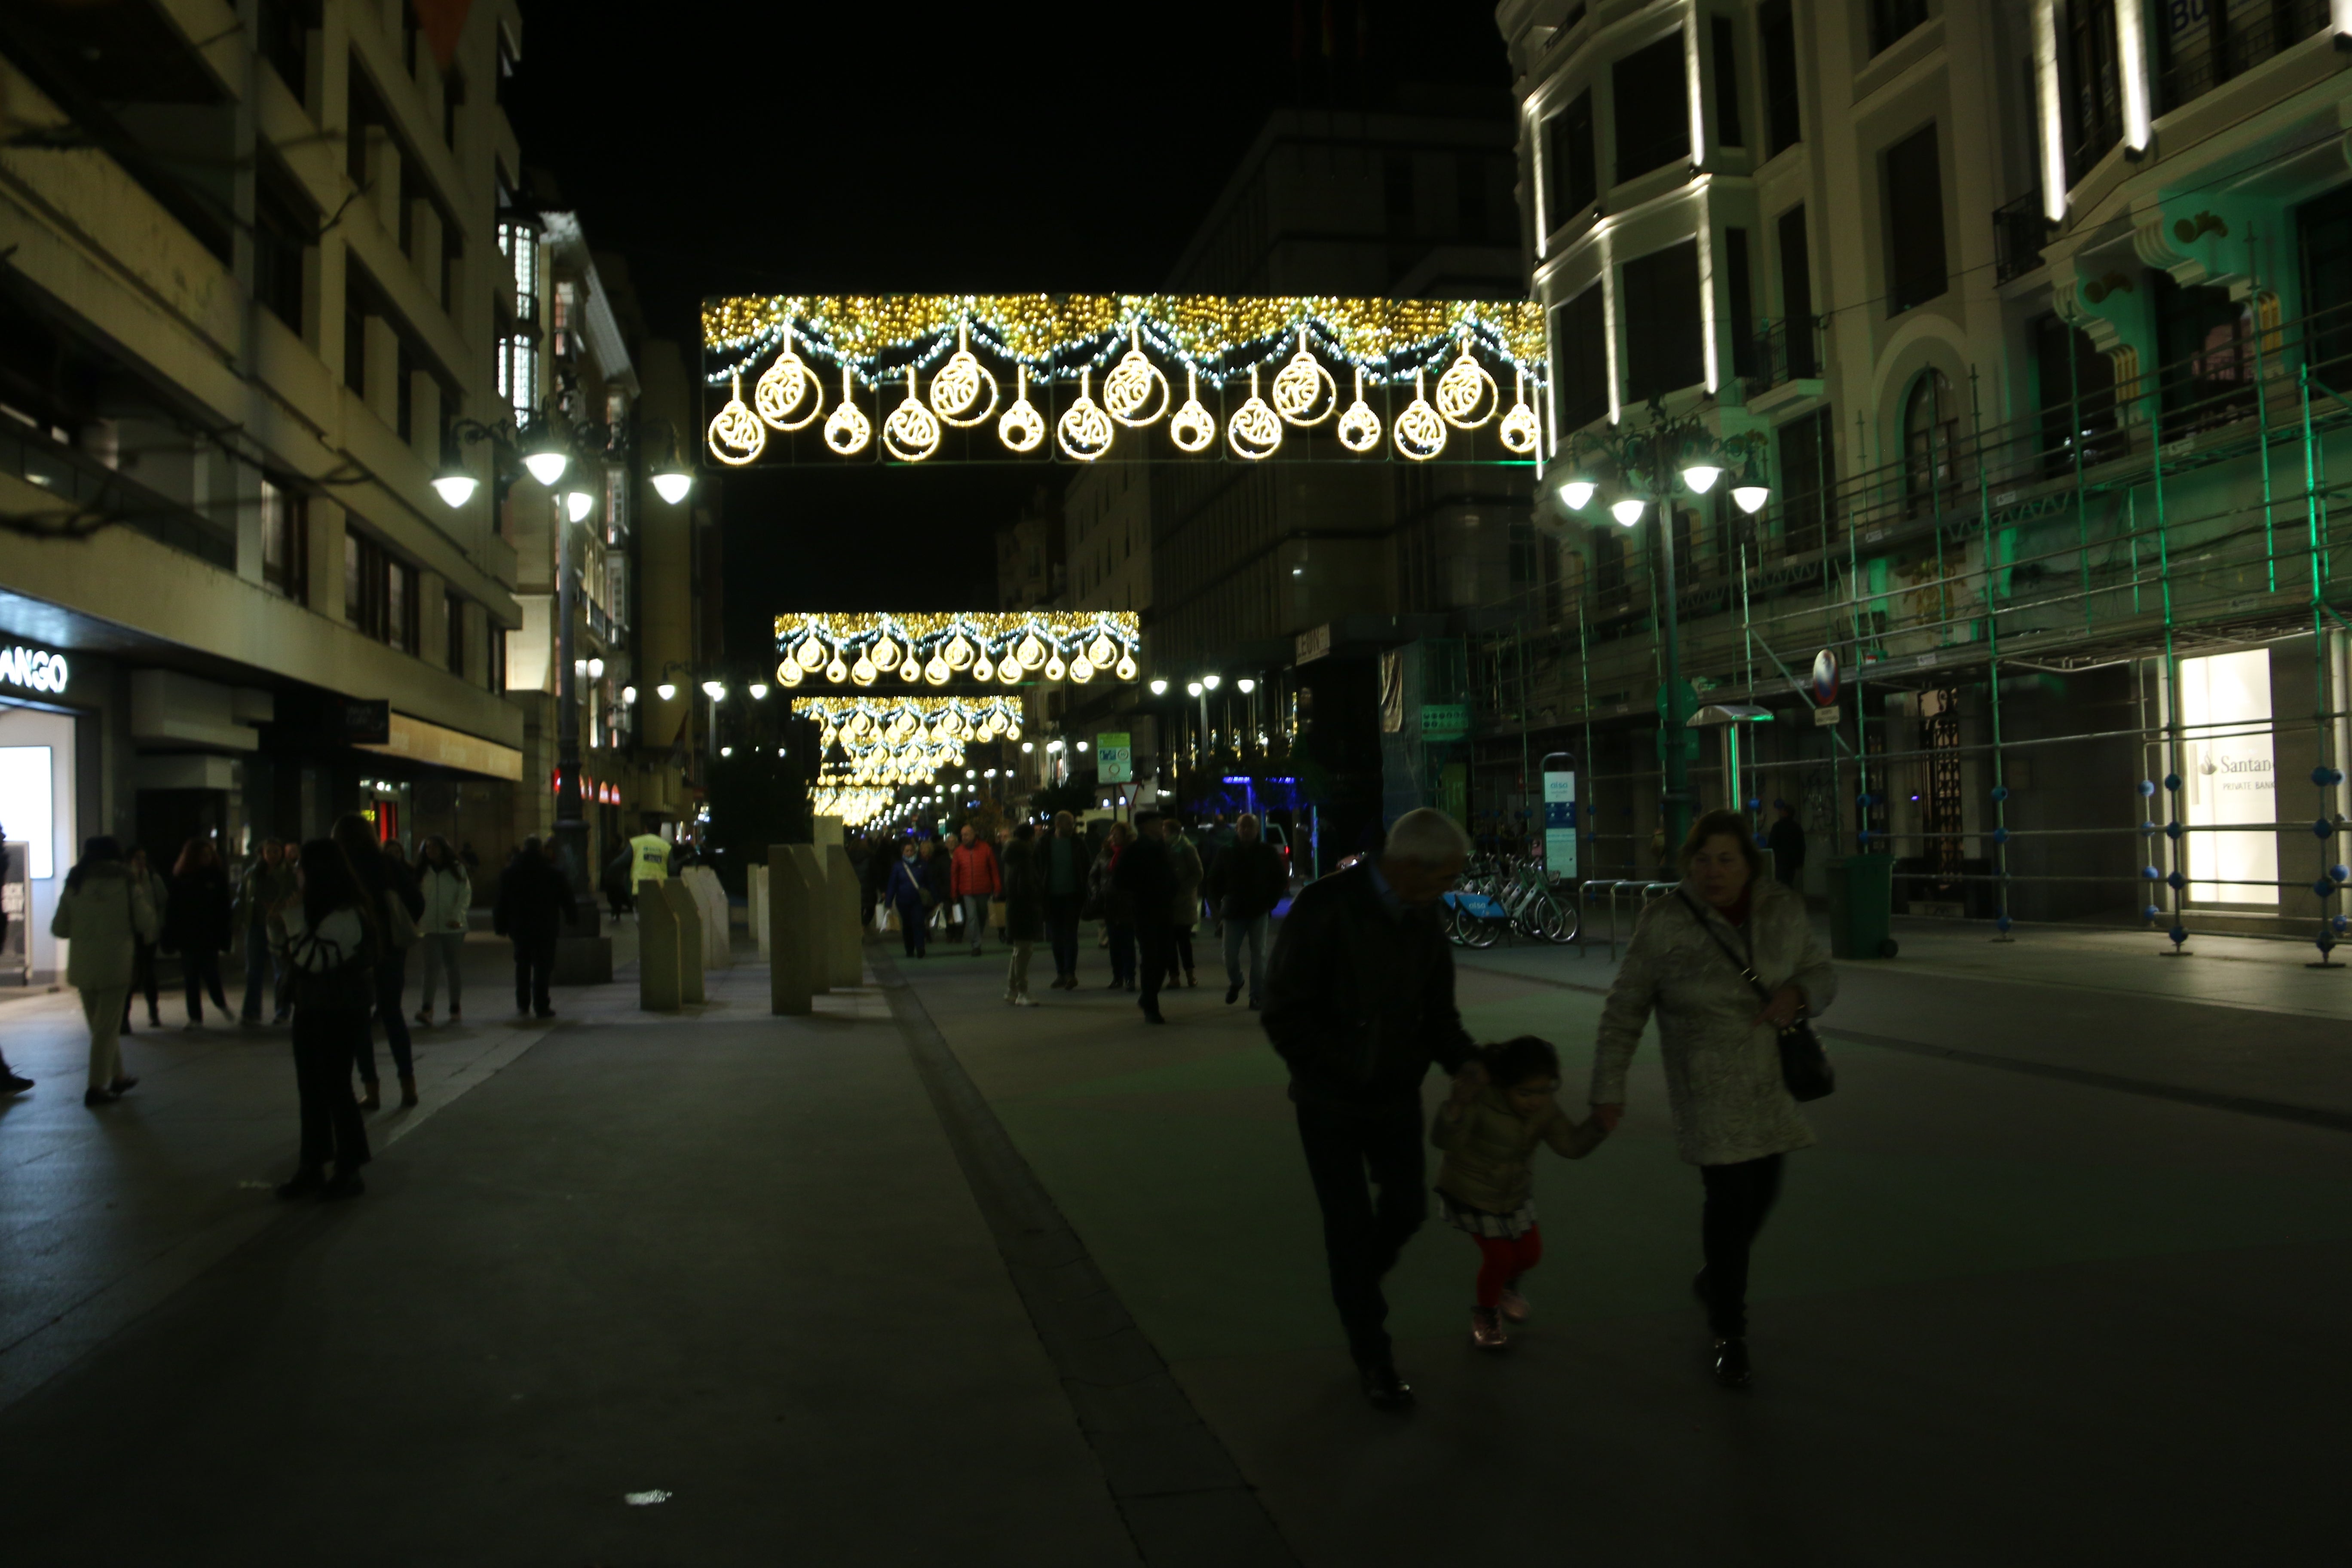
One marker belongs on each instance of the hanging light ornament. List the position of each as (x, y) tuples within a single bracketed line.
[(911, 669), (788, 383), (886, 652), (982, 670), (1081, 670), (1464, 388), (1194, 426), (1054, 668), (1032, 651), (1125, 670), (912, 431), (809, 652), (958, 385), (1023, 426), (788, 672), (862, 670), (959, 652), (1420, 433), (836, 671), (1085, 430), (1518, 430), (936, 671), (1128, 389), (1253, 432), (1360, 427), (737, 436), (846, 428), (1102, 650), (1302, 386)]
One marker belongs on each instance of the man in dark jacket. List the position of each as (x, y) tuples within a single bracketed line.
[(1360, 1002), (1786, 843), (1144, 874), (1245, 884), (534, 905)]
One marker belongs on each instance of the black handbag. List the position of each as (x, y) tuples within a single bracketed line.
[(1804, 1066)]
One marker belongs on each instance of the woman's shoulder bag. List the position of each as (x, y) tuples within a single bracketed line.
[(1804, 1065)]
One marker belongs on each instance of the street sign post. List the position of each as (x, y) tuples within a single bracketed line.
[(1114, 757), (1560, 821)]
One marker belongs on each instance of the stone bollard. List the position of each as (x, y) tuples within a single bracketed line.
[(657, 950), (756, 908), (848, 931), (788, 912), (813, 933), (687, 912)]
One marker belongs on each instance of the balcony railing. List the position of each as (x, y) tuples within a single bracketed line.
[(89, 494), (1786, 350), (2019, 231)]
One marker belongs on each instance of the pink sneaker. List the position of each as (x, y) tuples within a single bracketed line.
[(1514, 1306)]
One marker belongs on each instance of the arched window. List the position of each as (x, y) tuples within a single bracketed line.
[(1931, 431)]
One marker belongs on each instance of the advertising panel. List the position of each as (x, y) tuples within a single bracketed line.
[(2229, 777)]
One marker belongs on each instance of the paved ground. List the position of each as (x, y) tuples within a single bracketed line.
[(924, 1279)]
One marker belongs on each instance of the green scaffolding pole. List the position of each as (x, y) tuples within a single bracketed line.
[(1992, 663)]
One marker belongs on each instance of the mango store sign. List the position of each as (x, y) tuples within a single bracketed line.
[(33, 669)]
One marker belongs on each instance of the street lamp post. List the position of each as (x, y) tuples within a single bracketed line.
[(1649, 464)]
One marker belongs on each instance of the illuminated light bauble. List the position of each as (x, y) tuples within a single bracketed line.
[(1101, 651), (862, 671), (1255, 431), (886, 654), (1126, 669), (1194, 426), (1360, 427), (1518, 431), (993, 725), (836, 671), (788, 673), (982, 670), (936, 671), (1023, 426), (959, 652), (1013, 733), (957, 385), (1463, 389), (1083, 431), (1128, 389), (737, 436), (1302, 386), (1055, 668), (912, 431), (846, 428), (810, 653), (1082, 669), (905, 725), (951, 725), (1420, 433), (910, 670), (861, 724), (788, 383), (1032, 651)]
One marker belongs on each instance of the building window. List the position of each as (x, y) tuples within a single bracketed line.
[(1806, 451), (1741, 326), (1891, 20), (285, 542), (1580, 332), (1777, 28), (2076, 392), (284, 229), (456, 652), (1722, 32), (1652, 108), (2204, 344), (2200, 44), (2090, 84), (1666, 348), (1931, 434), (282, 36), (496, 665), (1686, 532), (1570, 175), (1795, 334), (1609, 564), (2324, 238), (1915, 222), (379, 593), (355, 333)]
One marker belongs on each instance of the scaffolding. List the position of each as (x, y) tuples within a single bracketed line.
[(2098, 543)]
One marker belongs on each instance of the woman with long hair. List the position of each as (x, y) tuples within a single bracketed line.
[(448, 894), (142, 948), (386, 883), (199, 925), (1117, 907), (332, 940), (103, 912)]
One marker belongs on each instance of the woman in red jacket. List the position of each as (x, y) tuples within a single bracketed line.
[(973, 879)]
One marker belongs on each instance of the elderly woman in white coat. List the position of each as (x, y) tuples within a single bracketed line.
[(441, 929), (102, 914), (1733, 1116)]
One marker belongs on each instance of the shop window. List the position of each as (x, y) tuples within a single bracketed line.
[(1776, 28), (286, 542), (1807, 453), (1652, 90), (1931, 433), (2200, 44), (1916, 271), (2230, 777), (1722, 31), (1665, 341), (1572, 184), (1580, 361)]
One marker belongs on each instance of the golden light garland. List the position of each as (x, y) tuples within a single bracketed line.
[(983, 647)]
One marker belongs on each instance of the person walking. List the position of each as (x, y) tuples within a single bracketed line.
[(911, 896), (143, 950), (974, 878), (449, 896), (1787, 842), (11, 1080), (938, 876), (534, 902), (1025, 911), (104, 912), (1116, 906), (331, 939), (1184, 904), (1486, 1186), (1144, 876), (394, 901), (1358, 1003), (1064, 858), (199, 924), (1245, 884), (258, 918), (1733, 1116)]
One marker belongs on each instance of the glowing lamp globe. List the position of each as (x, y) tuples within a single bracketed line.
[(1577, 494), (672, 483), (455, 486), (1751, 498), (1701, 478), (1627, 512), (665, 690)]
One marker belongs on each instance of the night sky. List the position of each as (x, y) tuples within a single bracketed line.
[(877, 148)]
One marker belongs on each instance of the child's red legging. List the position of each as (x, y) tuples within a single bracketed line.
[(1505, 1260)]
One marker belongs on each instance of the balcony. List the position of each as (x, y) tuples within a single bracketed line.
[(1786, 350), (2019, 232)]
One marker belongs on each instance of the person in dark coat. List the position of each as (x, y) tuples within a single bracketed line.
[(1245, 884), (1786, 843), (198, 926), (1359, 1000), (938, 876), (534, 902), (1061, 860), (1024, 910), (1144, 875), (911, 896), (386, 883), (158, 888)]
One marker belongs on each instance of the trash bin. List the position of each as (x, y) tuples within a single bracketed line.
[(1862, 907)]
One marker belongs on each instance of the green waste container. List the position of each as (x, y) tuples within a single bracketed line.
[(1862, 907)]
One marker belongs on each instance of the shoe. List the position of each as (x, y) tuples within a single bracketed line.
[(1731, 1368), (95, 1097), (123, 1084), (1232, 994), (371, 1097), (1152, 1016), (252, 1023), (1253, 1004), (127, 1029), (13, 1083), (305, 1182), (1486, 1331), (423, 1018), (544, 1013), (191, 1024), (408, 1088), (1025, 1000), (1189, 983), (279, 1018), (454, 1014), (1385, 1388), (1515, 1308), (345, 1184), (1115, 986), (154, 1020)]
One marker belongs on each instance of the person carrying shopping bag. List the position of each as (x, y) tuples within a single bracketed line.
[(104, 912)]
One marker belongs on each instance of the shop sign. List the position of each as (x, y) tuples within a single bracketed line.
[(367, 723), (33, 669), (1313, 644)]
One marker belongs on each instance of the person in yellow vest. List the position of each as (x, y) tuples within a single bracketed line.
[(648, 860)]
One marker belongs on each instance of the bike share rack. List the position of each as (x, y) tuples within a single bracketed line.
[(1647, 891)]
